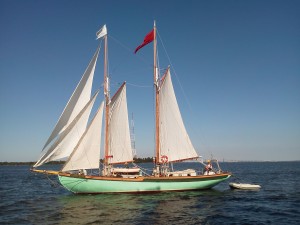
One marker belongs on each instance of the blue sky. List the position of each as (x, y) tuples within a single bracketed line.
[(236, 71)]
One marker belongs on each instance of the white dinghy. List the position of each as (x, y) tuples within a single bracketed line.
[(244, 186)]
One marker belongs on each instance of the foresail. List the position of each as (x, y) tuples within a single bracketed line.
[(86, 155), (119, 134), (69, 137), (78, 100), (174, 139)]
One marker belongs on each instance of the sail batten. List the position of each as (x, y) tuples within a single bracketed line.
[(174, 139), (77, 101)]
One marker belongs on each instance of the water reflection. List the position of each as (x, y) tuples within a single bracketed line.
[(97, 208), (161, 208)]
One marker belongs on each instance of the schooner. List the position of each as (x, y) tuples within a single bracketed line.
[(73, 138)]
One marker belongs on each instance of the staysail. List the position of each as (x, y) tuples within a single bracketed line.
[(86, 154), (69, 137), (174, 139), (119, 134), (78, 100)]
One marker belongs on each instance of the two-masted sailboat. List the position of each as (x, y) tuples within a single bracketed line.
[(80, 143)]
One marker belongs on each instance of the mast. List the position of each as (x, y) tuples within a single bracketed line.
[(107, 101), (132, 137), (156, 83)]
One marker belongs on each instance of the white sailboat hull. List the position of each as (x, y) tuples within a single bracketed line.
[(244, 186)]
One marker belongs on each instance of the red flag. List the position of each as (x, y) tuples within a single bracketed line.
[(148, 39)]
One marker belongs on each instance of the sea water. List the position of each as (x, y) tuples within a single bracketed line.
[(29, 198)]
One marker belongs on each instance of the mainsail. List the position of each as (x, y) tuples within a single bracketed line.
[(86, 154), (119, 134), (69, 137), (78, 100), (174, 139)]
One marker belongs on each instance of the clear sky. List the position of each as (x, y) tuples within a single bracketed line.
[(236, 70)]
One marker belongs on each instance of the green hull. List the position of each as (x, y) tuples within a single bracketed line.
[(94, 185)]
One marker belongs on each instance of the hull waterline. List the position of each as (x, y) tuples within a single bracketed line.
[(96, 185)]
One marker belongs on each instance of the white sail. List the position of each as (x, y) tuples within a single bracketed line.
[(119, 134), (174, 139), (69, 137), (86, 154), (78, 100)]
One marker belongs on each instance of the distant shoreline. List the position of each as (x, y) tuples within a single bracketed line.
[(137, 160), (26, 163)]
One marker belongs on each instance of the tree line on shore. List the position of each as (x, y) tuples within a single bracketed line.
[(136, 160)]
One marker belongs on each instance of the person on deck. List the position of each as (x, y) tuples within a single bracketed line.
[(208, 167)]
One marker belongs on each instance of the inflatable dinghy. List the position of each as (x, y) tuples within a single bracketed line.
[(244, 186)]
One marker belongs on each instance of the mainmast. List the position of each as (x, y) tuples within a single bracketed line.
[(156, 83), (107, 101)]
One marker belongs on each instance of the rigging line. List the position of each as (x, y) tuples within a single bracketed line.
[(127, 49), (157, 64), (115, 83), (140, 86), (131, 51), (177, 78), (53, 183), (120, 43), (142, 169)]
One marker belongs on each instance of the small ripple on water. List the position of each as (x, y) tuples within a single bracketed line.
[(28, 198)]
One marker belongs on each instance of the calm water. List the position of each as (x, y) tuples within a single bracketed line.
[(28, 198)]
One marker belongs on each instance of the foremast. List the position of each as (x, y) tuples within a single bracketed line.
[(117, 146), (107, 109)]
